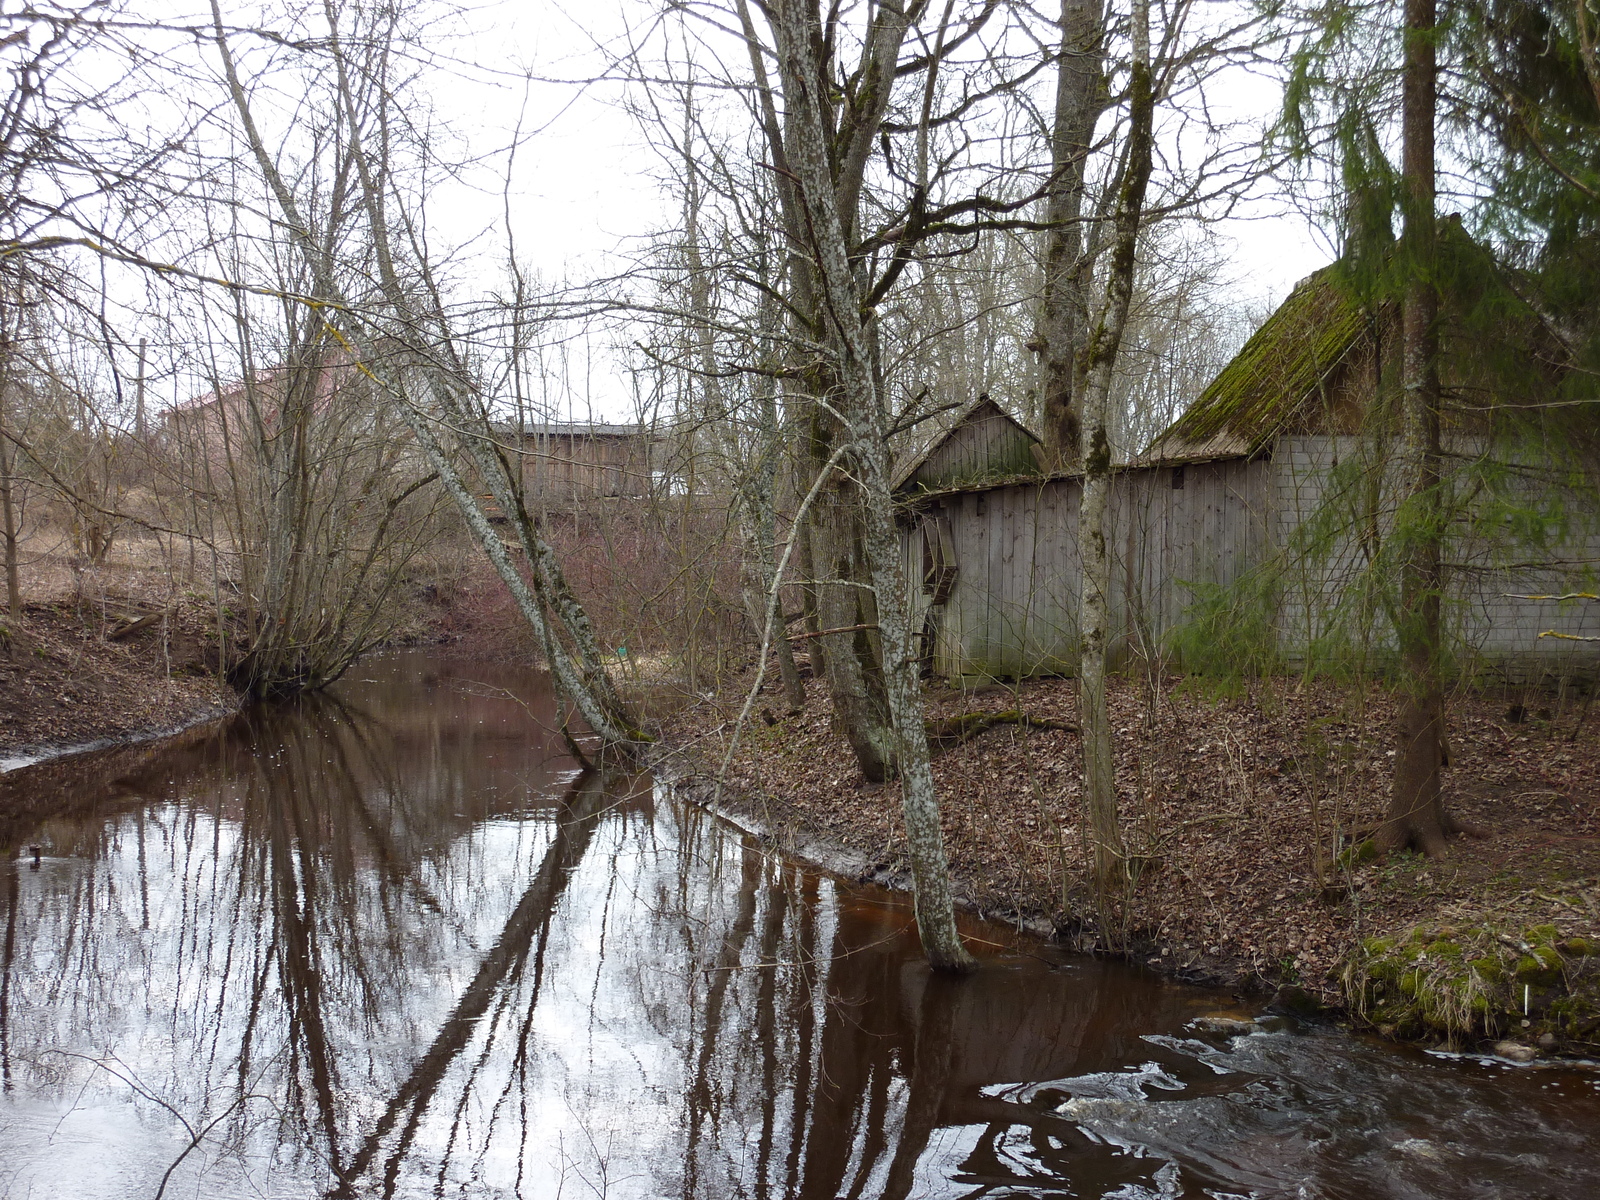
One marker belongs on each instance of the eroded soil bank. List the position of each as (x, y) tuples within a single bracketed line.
[(76, 674), (119, 653), (1246, 821)]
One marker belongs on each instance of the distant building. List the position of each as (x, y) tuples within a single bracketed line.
[(582, 460), (561, 461), (214, 430)]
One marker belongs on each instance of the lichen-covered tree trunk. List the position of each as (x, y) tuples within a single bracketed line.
[(835, 577), (1094, 621), (1097, 370), (850, 665), (864, 424), (1064, 305), (1416, 816), (902, 686), (758, 579)]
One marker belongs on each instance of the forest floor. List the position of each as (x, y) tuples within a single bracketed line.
[(1246, 821)]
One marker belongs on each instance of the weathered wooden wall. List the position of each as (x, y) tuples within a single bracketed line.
[(987, 445), (1492, 632), (1013, 609), (577, 463)]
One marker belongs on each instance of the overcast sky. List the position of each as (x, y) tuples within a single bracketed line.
[(586, 185), (582, 192)]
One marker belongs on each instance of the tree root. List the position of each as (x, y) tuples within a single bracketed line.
[(946, 733)]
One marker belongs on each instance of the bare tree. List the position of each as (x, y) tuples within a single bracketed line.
[(11, 489), (402, 335), (1095, 373), (1069, 255), (855, 401), (745, 426)]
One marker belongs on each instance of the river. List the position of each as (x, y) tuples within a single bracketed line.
[(388, 942)]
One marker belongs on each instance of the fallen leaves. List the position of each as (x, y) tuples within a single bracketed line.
[(63, 683), (1241, 814)]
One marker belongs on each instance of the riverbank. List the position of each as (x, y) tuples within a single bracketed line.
[(75, 675), (127, 650), (1246, 821)]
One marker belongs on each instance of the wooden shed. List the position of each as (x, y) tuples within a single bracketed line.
[(1000, 574), (984, 446), (1267, 479)]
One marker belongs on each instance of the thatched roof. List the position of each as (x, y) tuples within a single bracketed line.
[(1273, 381)]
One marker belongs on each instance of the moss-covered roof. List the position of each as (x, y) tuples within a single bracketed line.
[(1268, 384)]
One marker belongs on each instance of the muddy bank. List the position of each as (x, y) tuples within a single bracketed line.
[(1246, 821), (77, 675), (109, 655)]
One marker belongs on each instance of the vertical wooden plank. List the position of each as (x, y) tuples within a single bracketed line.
[(1072, 563), (1020, 578), (975, 608), (957, 619), (1009, 591), (1063, 590), (1043, 584), (1033, 501), (1160, 579), (994, 642)]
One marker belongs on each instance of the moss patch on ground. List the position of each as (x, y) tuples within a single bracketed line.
[(1485, 981)]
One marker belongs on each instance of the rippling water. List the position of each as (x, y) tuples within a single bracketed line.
[(391, 943)]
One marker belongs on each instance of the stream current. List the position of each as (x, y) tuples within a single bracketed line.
[(389, 943)]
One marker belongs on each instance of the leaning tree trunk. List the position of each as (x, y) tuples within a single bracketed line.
[(1064, 306), (1097, 370), (849, 654), (1416, 816), (542, 596)]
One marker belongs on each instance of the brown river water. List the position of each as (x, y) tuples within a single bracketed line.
[(390, 943)]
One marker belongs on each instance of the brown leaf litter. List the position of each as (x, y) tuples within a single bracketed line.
[(1244, 818), (74, 673)]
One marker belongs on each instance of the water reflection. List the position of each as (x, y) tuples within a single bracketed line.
[(392, 944)]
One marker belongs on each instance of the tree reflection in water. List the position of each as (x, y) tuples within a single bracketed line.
[(391, 944)]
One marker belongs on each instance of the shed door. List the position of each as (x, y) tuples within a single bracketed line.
[(938, 559)]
